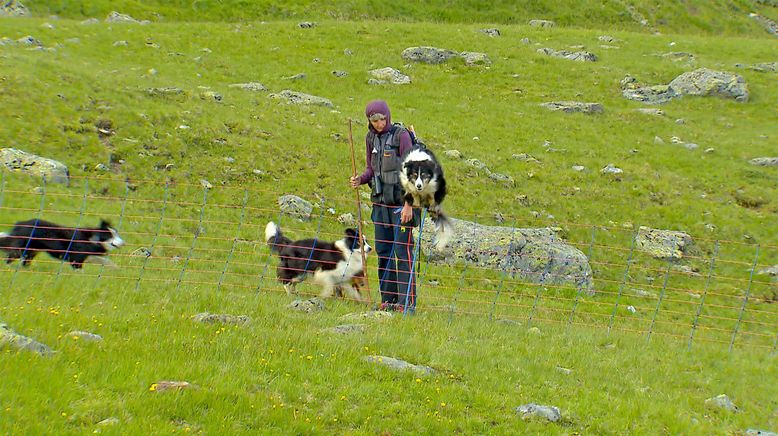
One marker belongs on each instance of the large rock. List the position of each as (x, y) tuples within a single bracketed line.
[(428, 55), (768, 24), (18, 160), (10, 338), (13, 8), (663, 244), (116, 17), (473, 58), (295, 206), (581, 56), (389, 75), (533, 255), (705, 82), (542, 23), (400, 364), (294, 97), (765, 161), (701, 82), (574, 106)]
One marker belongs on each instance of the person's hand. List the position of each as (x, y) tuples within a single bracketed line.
[(406, 214), (354, 182)]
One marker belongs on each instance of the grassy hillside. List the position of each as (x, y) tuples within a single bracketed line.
[(285, 371), (728, 17)]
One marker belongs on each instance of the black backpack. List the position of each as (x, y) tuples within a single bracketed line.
[(415, 141)]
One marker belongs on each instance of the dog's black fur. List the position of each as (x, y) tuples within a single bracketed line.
[(75, 245), (424, 185), (332, 265)]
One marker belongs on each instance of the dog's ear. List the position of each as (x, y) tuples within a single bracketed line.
[(105, 225), (351, 238)]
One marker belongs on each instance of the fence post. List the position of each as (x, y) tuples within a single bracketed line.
[(194, 240), (269, 254), (504, 268), (745, 300), (156, 234), (624, 280), (27, 246), (2, 186), (704, 293), (118, 226), (659, 302), (540, 287), (413, 276), (578, 293), (235, 240), (73, 236), (461, 284)]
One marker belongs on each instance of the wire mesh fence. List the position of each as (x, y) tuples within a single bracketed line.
[(204, 240)]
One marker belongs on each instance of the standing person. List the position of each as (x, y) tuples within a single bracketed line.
[(393, 218)]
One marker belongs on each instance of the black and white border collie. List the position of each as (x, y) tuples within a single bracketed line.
[(332, 265), (422, 180), (75, 245)]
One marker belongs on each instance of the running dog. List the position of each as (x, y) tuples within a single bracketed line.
[(332, 265), (71, 244), (422, 180)]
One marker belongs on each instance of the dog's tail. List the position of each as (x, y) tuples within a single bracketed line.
[(443, 228), (5, 241), (275, 239)]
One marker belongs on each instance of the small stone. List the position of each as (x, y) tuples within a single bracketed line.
[(166, 385), (108, 421), (85, 336), (531, 410), (722, 402)]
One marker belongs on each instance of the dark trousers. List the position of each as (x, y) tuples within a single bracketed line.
[(395, 248)]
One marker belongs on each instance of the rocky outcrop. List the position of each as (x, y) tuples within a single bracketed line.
[(294, 97), (705, 82), (434, 55), (13, 8), (574, 106), (28, 163), (295, 206), (764, 161), (12, 339), (116, 17), (535, 255), (768, 24), (428, 55), (542, 23), (220, 318), (581, 56), (663, 244), (388, 75), (700, 82)]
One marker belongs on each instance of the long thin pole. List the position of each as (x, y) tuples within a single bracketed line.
[(359, 212)]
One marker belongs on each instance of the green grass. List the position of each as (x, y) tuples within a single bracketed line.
[(639, 378), (728, 17)]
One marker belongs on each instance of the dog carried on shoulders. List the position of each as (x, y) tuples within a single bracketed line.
[(424, 185)]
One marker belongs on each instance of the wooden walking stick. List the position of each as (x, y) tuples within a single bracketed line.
[(359, 215)]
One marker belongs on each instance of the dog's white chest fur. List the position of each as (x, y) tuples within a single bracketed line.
[(343, 271)]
